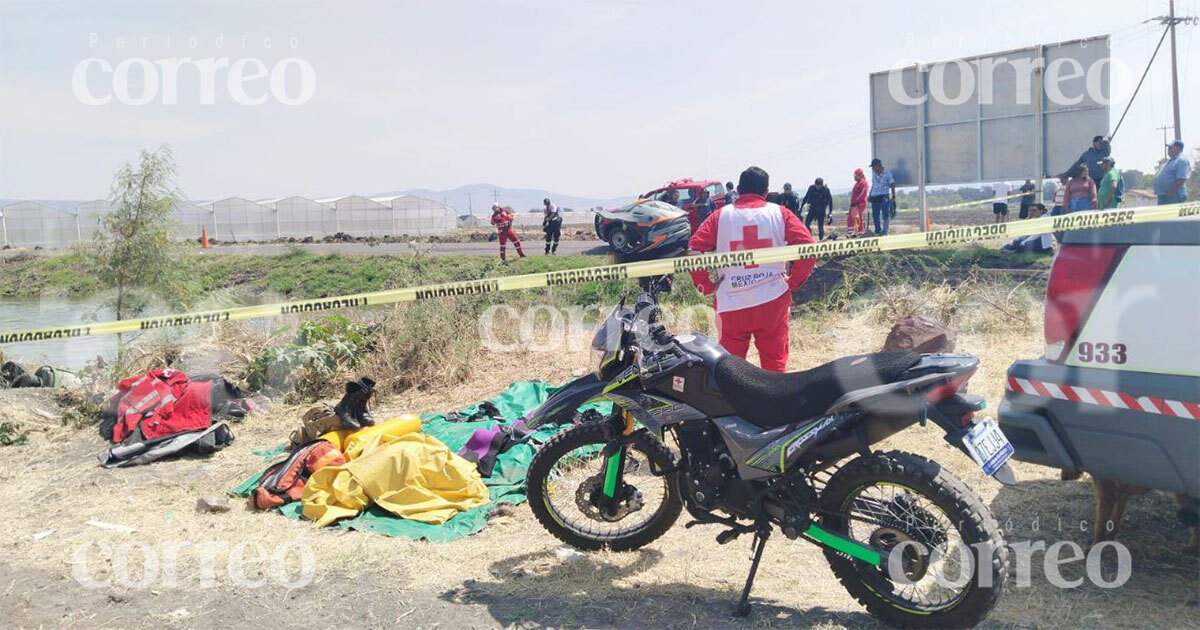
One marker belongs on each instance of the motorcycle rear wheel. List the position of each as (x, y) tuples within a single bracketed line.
[(578, 448), (920, 490)]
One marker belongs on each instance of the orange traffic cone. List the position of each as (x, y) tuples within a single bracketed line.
[(204, 237)]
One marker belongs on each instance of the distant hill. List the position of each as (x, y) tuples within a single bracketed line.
[(478, 198), (464, 199)]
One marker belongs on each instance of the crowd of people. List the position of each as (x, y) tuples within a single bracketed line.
[(879, 191), (1091, 183)]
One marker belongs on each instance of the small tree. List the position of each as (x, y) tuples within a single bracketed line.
[(135, 249)]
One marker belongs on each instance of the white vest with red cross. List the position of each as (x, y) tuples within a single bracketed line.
[(749, 228)]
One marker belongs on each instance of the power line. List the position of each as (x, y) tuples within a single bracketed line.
[(1139, 85)]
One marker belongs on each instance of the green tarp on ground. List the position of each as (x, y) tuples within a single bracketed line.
[(507, 482)]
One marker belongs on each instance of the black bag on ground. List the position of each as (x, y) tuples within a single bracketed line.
[(16, 376), (202, 442)]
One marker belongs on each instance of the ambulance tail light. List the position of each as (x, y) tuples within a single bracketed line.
[(1077, 279)]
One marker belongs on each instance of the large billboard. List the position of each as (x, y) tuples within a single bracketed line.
[(1001, 116)]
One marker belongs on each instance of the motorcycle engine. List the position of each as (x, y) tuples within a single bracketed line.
[(711, 476)]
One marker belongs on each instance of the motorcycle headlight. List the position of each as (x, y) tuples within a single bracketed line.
[(597, 360)]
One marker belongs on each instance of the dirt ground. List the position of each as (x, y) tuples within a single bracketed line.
[(512, 574)]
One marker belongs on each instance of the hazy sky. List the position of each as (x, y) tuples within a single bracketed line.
[(601, 98)]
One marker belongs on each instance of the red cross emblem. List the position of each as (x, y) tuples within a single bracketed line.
[(750, 240)]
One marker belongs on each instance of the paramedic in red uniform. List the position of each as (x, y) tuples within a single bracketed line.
[(754, 300), (502, 218)]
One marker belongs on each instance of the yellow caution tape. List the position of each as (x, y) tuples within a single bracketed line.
[(968, 204), (916, 240)]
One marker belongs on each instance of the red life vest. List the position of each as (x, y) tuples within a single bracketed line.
[(159, 403)]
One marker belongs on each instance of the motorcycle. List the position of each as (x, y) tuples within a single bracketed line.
[(755, 451)]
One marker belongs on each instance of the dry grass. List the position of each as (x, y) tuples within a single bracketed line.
[(682, 580)]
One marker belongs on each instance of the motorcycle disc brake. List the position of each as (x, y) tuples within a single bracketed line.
[(589, 494)]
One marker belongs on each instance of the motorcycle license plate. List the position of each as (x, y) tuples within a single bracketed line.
[(988, 446)]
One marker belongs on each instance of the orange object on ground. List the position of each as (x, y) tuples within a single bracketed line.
[(204, 237)]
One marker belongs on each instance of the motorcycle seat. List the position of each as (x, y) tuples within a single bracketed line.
[(771, 399)]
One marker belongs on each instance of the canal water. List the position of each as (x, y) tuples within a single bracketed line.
[(68, 354)]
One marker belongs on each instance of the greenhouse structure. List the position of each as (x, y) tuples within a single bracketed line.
[(235, 219)]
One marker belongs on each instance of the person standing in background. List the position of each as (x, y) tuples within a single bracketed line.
[(855, 226), (1000, 192), (551, 225), (1170, 184), (882, 196), (704, 207), (818, 199), (1106, 190), (730, 193), (1091, 157), (790, 200), (1080, 191), (502, 218), (753, 302), (1060, 191), (1028, 193)]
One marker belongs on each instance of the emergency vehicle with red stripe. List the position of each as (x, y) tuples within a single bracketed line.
[(1117, 392)]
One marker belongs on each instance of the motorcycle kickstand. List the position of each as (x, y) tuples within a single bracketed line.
[(760, 540)]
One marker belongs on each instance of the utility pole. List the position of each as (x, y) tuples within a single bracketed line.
[(470, 206), (1164, 129), (496, 196), (1174, 72), (1170, 20)]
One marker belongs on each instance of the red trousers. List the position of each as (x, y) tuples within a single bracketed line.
[(854, 220), (767, 323), (508, 234)]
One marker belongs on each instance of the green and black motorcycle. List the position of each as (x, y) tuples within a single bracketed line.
[(693, 427)]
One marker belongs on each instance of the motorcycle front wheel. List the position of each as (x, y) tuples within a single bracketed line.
[(945, 562), (565, 481)]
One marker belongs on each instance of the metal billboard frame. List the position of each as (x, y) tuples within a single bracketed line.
[(909, 128)]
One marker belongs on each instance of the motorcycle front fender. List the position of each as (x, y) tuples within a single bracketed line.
[(561, 406)]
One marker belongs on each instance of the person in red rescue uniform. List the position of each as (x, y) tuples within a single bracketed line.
[(502, 218), (753, 301), (855, 226)]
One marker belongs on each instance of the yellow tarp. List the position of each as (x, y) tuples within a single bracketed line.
[(409, 474), (353, 443)]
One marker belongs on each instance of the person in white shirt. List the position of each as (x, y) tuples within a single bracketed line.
[(1000, 192)]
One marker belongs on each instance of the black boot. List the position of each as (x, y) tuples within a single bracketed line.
[(352, 408)]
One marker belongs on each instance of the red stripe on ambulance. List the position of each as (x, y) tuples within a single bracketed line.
[(1105, 398)]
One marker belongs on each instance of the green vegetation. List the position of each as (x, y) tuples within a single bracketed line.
[(12, 435), (307, 365), (300, 274), (135, 250), (839, 282), (435, 343)]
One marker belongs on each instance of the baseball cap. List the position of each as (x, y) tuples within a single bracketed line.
[(1178, 144), (1108, 159), (876, 162), (1098, 139)]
